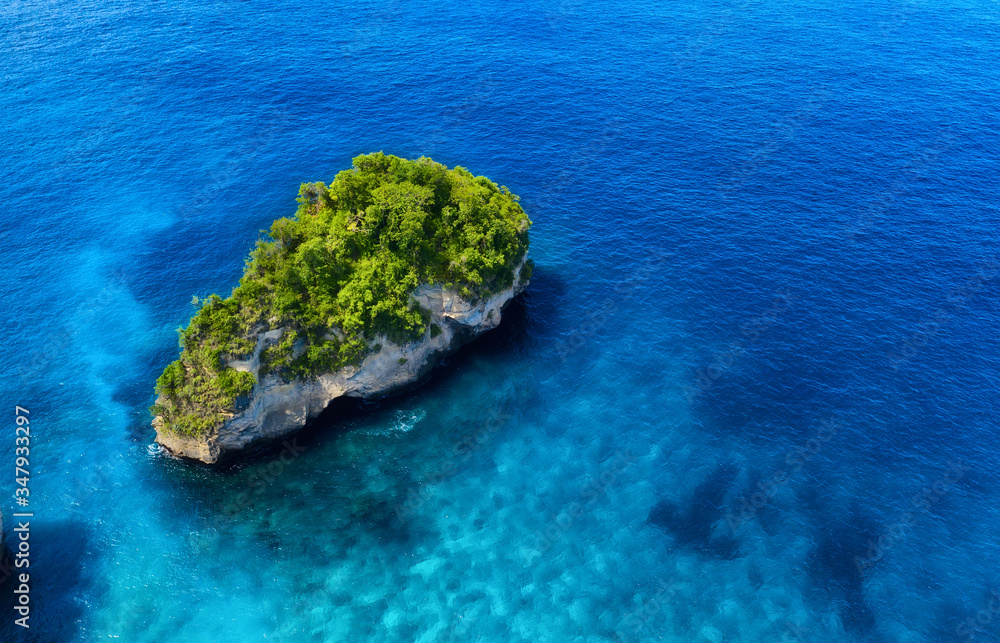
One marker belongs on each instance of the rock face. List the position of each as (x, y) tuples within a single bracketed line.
[(277, 408)]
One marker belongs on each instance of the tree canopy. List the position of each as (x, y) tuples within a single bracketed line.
[(339, 274)]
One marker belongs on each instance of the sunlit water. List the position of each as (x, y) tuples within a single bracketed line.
[(762, 327)]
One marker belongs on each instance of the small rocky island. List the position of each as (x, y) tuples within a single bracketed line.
[(377, 277)]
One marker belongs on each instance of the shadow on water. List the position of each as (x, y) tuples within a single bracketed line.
[(697, 525), (509, 338), (57, 555), (513, 336), (240, 489)]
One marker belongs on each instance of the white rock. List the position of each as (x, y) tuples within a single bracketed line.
[(277, 408)]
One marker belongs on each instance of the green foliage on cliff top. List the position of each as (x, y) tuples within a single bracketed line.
[(340, 273)]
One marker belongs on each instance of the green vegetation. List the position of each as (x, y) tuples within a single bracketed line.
[(339, 274)]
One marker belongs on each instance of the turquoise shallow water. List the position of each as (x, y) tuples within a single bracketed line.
[(750, 395)]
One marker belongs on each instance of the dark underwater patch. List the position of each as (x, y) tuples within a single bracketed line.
[(834, 569), (696, 525), (57, 556)]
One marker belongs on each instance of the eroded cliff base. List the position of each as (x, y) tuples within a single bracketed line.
[(277, 408)]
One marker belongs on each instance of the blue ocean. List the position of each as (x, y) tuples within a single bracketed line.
[(751, 394)]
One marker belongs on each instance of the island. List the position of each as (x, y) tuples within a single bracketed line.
[(376, 278)]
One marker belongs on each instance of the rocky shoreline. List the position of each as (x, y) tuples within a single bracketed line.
[(276, 408)]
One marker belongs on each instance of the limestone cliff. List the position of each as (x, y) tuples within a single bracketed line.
[(277, 408)]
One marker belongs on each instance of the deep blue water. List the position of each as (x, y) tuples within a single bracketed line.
[(750, 395)]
